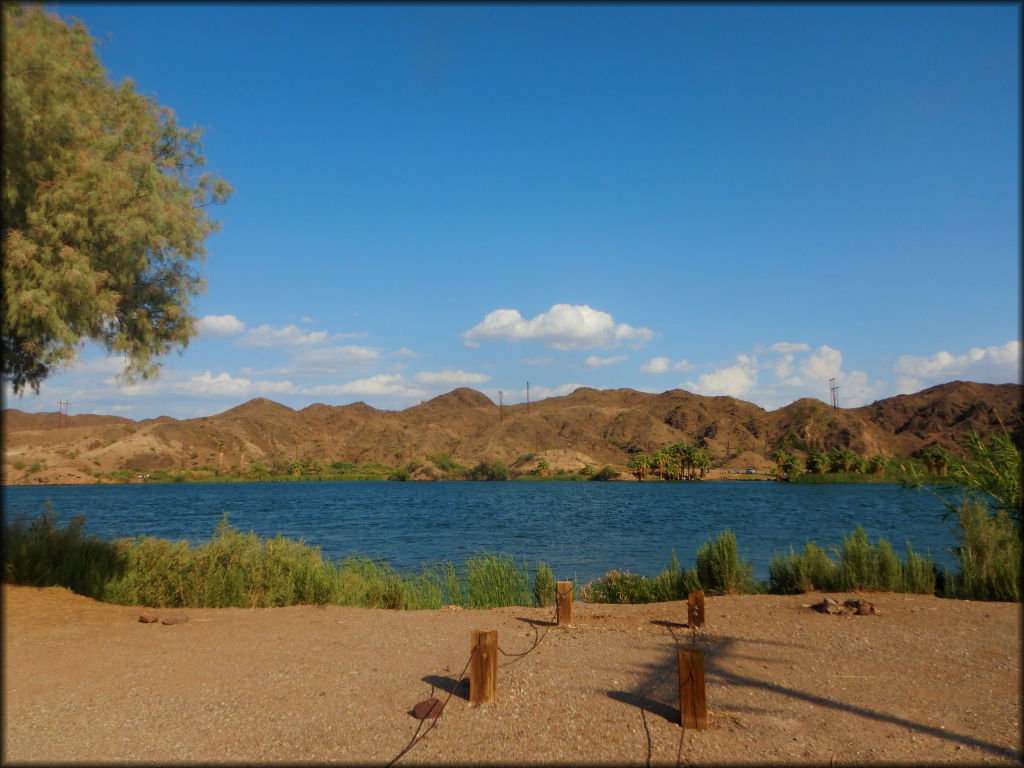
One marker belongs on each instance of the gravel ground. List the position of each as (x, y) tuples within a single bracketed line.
[(924, 681)]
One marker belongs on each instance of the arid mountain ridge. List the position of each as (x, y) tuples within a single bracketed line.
[(587, 426)]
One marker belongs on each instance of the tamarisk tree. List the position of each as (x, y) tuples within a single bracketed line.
[(104, 208)]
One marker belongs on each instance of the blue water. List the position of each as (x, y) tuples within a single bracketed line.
[(580, 529)]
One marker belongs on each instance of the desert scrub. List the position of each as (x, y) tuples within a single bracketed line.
[(494, 580), (543, 586), (623, 587), (862, 566), (719, 568), (40, 553), (989, 553)]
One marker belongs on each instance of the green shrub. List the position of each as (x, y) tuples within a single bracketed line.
[(719, 568), (989, 553), (919, 573), (43, 554), (543, 586), (626, 587), (810, 570), (489, 469), (605, 473), (494, 580)]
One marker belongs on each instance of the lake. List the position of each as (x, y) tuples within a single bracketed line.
[(581, 529)]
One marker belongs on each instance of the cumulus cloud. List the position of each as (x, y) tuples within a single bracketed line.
[(384, 384), (593, 361), (220, 325), (458, 378), (563, 327), (823, 363), (789, 348), (538, 361), (735, 380), (226, 385), (267, 336), (659, 365), (332, 361), (994, 365)]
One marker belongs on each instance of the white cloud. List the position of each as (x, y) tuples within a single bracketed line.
[(387, 385), (332, 361), (220, 325), (593, 361), (458, 378), (267, 336), (307, 320), (823, 363), (225, 385), (562, 327), (735, 380), (406, 352), (994, 365), (538, 392), (538, 361), (789, 348), (659, 365)]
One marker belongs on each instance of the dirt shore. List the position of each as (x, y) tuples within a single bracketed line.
[(924, 681)]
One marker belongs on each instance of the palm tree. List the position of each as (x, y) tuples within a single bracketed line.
[(818, 463), (543, 467), (790, 466), (640, 465), (660, 459), (936, 458), (877, 464), (702, 461)]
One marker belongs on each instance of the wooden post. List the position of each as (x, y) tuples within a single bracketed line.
[(692, 703), (563, 600), (483, 666), (695, 609)]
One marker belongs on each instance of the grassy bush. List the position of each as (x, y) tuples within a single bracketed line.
[(42, 554), (489, 469), (493, 580), (989, 553), (719, 568), (543, 585), (810, 570), (862, 566), (624, 587)]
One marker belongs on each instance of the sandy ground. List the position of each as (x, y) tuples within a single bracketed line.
[(924, 681)]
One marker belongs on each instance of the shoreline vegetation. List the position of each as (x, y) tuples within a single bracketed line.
[(440, 467), (243, 569), (236, 569)]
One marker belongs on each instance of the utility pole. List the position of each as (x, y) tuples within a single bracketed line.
[(527, 397), (62, 419), (833, 389), (501, 413)]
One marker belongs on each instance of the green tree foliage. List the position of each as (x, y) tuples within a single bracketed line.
[(104, 207), (640, 465), (936, 458), (993, 472)]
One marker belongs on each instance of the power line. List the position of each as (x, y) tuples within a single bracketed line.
[(833, 389)]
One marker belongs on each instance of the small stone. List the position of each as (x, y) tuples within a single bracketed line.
[(861, 607), (147, 617), (175, 620), (828, 605), (431, 708)]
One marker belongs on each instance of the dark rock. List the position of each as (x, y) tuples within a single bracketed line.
[(427, 708), (861, 607), (828, 605)]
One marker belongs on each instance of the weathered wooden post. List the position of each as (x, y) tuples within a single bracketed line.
[(483, 666), (563, 598), (695, 609), (692, 703)]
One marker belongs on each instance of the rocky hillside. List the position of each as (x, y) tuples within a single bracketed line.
[(587, 426)]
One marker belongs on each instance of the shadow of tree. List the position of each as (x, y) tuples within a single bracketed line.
[(722, 648)]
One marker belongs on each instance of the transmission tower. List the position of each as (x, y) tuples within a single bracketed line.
[(501, 412), (62, 419), (833, 389)]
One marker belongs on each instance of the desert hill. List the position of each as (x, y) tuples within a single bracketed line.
[(586, 426)]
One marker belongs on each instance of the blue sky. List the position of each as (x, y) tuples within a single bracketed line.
[(729, 199)]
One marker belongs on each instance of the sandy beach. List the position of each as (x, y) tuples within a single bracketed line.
[(925, 680)]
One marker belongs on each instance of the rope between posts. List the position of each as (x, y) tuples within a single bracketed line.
[(417, 737)]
